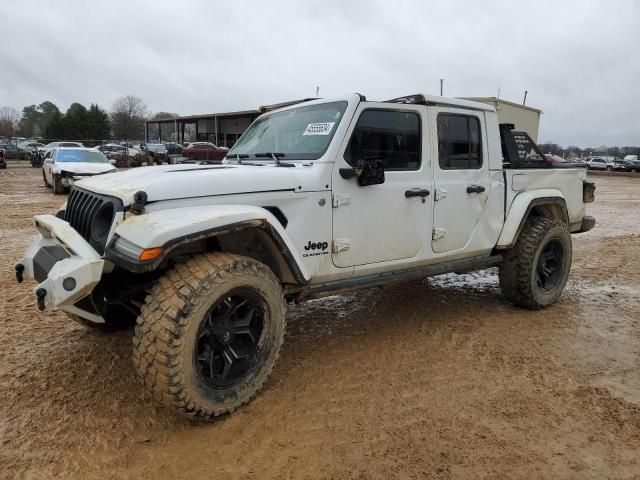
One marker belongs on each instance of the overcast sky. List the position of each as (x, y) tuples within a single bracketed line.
[(579, 60)]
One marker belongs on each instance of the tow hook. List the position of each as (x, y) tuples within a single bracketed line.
[(19, 270), (41, 293)]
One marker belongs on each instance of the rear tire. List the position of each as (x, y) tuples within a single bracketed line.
[(534, 272), (209, 334)]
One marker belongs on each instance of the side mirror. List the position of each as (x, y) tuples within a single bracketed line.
[(368, 172), (372, 173)]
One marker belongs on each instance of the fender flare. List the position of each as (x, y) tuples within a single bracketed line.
[(520, 210), (171, 228)]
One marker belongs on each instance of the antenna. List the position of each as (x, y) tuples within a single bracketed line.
[(525, 97), (441, 84), (317, 92)]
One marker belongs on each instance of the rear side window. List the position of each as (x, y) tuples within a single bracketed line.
[(390, 136), (459, 142)]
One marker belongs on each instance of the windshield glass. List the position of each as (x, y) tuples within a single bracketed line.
[(92, 156), (51, 145), (302, 133)]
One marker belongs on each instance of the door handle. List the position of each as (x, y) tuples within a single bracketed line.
[(417, 192), (475, 189)]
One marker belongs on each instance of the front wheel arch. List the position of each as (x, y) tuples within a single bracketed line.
[(256, 239)]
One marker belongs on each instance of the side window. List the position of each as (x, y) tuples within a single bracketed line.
[(390, 136), (459, 142)]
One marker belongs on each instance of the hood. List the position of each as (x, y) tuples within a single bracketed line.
[(87, 168), (168, 182)]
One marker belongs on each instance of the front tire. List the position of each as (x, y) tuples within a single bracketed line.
[(535, 271), (209, 334), (57, 185)]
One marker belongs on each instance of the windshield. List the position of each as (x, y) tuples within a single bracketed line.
[(51, 145), (91, 156), (302, 133)]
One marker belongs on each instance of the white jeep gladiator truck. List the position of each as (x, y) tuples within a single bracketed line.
[(315, 199)]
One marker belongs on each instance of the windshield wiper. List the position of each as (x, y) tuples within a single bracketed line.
[(239, 156), (276, 158)]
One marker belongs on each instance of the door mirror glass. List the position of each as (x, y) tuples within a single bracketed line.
[(371, 172)]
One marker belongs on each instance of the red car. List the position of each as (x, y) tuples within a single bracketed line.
[(204, 151)]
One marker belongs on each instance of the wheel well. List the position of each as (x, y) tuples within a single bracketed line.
[(547, 207), (556, 209), (252, 242)]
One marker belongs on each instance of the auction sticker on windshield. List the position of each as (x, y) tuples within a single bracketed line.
[(319, 128)]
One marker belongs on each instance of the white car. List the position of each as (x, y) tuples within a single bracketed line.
[(600, 163), (63, 167)]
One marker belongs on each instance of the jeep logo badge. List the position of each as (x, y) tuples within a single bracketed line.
[(320, 247)]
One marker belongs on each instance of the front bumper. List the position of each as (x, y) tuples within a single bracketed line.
[(63, 263)]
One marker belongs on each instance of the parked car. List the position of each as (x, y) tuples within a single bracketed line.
[(633, 161), (622, 165), (204, 151), (50, 146), (173, 148), (63, 166), (26, 149), (600, 163), (110, 147), (11, 150), (124, 156), (552, 161), (158, 151)]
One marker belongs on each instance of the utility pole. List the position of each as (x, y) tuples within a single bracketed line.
[(441, 83)]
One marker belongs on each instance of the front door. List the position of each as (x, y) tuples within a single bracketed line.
[(390, 221), (461, 175)]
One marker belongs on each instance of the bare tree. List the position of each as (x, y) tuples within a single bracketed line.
[(128, 115), (9, 118)]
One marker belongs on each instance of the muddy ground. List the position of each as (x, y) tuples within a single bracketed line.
[(439, 378)]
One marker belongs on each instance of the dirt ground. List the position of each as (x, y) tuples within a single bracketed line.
[(439, 378)]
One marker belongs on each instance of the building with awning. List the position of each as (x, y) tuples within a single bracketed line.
[(221, 129)]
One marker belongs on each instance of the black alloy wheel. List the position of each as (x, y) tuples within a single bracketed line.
[(228, 338), (550, 265)]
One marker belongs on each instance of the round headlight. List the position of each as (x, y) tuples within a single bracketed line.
[(102, 221)]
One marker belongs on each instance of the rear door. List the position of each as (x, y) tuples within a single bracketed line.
[(461, 174), (390, 221)]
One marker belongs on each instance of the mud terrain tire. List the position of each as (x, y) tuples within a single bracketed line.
[(192, 298), (534, 272)]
